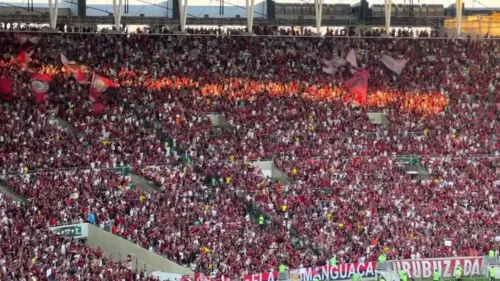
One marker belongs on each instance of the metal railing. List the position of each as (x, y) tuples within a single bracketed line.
[(246, 35)]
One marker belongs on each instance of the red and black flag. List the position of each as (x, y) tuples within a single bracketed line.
[(102, 87), (75, 69), (24, 56), (98, 108), (41, 86), (358, 85)]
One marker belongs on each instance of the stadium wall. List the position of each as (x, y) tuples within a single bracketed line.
[(118, 247)]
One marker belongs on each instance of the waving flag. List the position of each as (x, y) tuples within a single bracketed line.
[(6, 92), (41, 85), (24, 56), (98, 108), (75, 69), (329, 69), (358, 85), (395, 65), (64, 60), (351, 58), (331, 66), (101, 85)]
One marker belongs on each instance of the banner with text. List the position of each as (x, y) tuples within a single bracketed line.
[(340, 272), (446, 266), (79, 231)]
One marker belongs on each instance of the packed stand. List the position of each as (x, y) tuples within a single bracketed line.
[(30, 251), (280, 105)]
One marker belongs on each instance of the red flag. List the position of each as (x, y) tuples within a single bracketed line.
[(358, 85), (99, 86), (98, 108), (5, 86), (40, 83), (94, 96), (40, 97), (75, 69), (24, 56)]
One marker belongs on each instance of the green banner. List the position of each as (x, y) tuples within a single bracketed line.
[(75, 230)]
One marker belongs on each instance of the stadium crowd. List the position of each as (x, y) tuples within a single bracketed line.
[(30, 251), (348, 196)]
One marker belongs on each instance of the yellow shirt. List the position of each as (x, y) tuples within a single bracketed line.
[(294, 171), (231, 158)]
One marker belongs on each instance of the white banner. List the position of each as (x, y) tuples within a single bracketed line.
[(446, 266)]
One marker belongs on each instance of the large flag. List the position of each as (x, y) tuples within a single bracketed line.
[(24, 56), (101, 85), (6, 89), (358, 85), (75, 69), (41, 85), (351, 58), (5, 86), (98, 108), (331, 66), (393, 64)]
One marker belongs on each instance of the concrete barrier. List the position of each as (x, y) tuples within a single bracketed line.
[(7, 190), (120, 248), (269, 169), (142, 183)]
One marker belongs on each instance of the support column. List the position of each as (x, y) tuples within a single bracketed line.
[(458, 8), (183, 5), (117, 13), (53, 13), (318, 9), (250, 7), (388, 9)]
